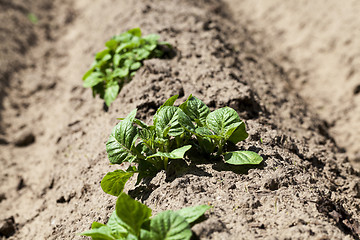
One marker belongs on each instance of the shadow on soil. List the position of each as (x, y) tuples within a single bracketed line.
[(180, 168)]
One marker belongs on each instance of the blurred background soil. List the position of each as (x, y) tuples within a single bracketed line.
[(317, 44)]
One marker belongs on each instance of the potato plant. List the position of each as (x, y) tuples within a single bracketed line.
[(117, 64), (174, 131), (133, 220)]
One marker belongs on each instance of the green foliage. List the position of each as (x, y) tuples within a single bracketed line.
[(174, 131), (115, 66), (33, 18), (114, 182), (132, 220)]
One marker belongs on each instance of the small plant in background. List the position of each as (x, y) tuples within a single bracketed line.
[(33, 18), (117, 64), (132, 220), (174, 131)]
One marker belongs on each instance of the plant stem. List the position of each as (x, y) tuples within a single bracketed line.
[(166, 161), (178, 141), (220, 148), (167, 145)]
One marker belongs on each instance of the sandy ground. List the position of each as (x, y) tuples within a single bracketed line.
[(53, 133), (317, 44)]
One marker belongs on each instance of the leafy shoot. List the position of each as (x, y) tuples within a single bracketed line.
[(174, 132), (133, 220), (116, 65)]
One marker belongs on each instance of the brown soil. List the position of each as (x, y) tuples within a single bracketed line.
[(53, 133), (317, 45)]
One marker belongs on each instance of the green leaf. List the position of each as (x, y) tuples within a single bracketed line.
[(33, 18), (135, 66), (106, 58), (196, 110), (239, 134), (135, 31), (186, 122), (91, 70), (142, 54), (135, 42), (169, 225), (122, 140), (206, 144), (222, 121), (111, 44), (113, 183), (116, 60), (205, 132), (127, 49), (121, 47), (145, 235), (166, 122), (101, 233), (93, 79), (141, 123), (111, 93), (175, 154), (129, 62), (146, 134), (150, 46), (123, 37), (191, 214), (152, 38), (242, 157), (231, 129), (169, 102), (121, 72), (117, 226), (132, 212), (97, 225), (131, 237), (101, 55)]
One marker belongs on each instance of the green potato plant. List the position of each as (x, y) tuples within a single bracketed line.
[(117, 64), (174, 131), (133, 220)]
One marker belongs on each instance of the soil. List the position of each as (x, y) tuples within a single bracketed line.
[(316, 43), (53, 132)]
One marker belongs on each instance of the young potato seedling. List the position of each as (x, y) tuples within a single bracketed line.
[(133, 220), (117, 64), (174, 131)]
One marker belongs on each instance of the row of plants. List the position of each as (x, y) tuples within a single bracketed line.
[(175, 130), (116, 65), (150, 148), (133, 220)]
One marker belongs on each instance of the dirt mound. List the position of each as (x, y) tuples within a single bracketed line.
[(316, 43), (305, 188)]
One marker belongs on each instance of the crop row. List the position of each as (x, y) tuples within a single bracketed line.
[(176, 133)]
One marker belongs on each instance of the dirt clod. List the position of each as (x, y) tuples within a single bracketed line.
[(2, 197), (3, 141), (21, 184), (357, 89), (7, 227), (24, 139)]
